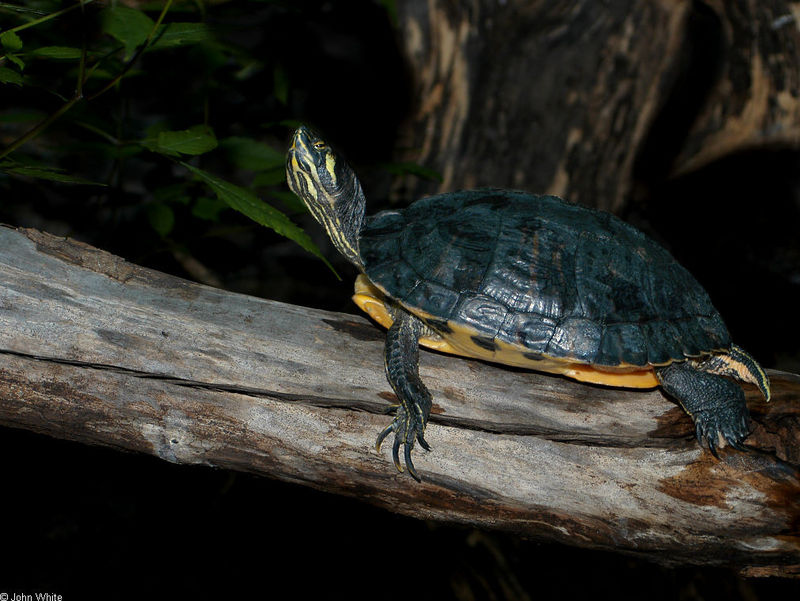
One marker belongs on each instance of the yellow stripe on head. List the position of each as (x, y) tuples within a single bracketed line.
[(330, 165), (311, 186)]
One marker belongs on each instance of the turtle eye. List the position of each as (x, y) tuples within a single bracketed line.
[(320, 145)]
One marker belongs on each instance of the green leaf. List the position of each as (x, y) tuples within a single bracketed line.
[(16, 60), (249, 68), (57, 52), (48, 173), (180, 34), (10, 76), (21, 115), (10, 41), (161, 218), (272, 177), (247, 153), (123, 151), (208, 209), (198, 139), (155, 128), (256, 209), (174, 193), (129, 26), (288, 123), (290, 200)]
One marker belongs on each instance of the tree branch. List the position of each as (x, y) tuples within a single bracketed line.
[(104, 352)]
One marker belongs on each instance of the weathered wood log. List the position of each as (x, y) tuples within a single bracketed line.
[(573, 98), (97, 350)]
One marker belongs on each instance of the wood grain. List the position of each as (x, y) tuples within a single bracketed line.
[(98, 350)]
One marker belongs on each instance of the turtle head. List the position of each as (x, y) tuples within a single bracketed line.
[(329, 188)]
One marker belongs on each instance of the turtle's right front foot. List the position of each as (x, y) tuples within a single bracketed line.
[(408, 427), (716, 404)]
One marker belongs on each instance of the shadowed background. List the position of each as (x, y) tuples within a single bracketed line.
[(682, 121)]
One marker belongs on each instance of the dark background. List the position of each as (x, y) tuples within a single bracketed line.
[(95, 523)]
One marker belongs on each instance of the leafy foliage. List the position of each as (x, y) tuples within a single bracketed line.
[(196, 140), (250, 205), (157, 120), (110, 46)]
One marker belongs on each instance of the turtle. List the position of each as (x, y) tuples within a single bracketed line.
[(529, 281)]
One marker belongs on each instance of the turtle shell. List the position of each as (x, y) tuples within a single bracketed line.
[(506, 272)]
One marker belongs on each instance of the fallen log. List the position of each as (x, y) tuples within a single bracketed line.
[(98, 350)]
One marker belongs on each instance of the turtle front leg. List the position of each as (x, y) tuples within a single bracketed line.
[(401, 357), (716, 404)]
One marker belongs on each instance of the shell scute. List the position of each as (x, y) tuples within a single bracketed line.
[(532, 332), (622, 340), (542, 276), (481, 313), (576, 337), (436, 298)]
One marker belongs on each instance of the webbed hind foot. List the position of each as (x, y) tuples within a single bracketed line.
[(716, 404)]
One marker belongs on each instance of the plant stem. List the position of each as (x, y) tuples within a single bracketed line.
[(136, 55), (46, 18), (163, 14), (40, 127)]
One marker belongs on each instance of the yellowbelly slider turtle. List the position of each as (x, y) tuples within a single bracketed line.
[(529, 281)]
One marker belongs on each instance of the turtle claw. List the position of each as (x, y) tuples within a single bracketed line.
[(396, 454), (382, 436), (698, 432), (410, 464), (731, 427), (738, 445), (712, 446), (407, 430), (422, 442)]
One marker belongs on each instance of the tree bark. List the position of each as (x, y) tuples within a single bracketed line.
[(585, 99), (754, 101), (100, 351)]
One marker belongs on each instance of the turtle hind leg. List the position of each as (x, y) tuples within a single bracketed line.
[(716, 404), (401, 358)]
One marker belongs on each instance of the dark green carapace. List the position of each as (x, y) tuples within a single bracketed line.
[(557, 279), (529, 281)]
